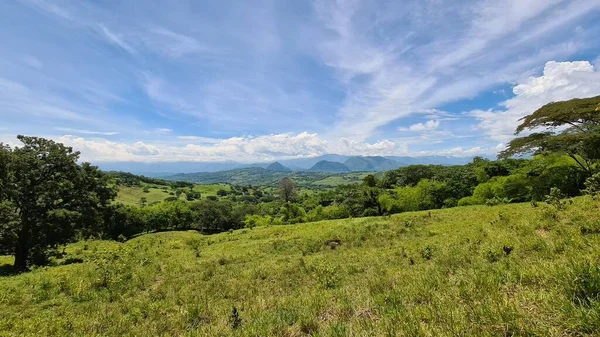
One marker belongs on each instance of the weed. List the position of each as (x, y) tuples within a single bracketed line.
[(235, 321), (427, 253)]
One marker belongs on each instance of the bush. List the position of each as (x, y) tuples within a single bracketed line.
[(469, 201), (592, 185), (556, 198)]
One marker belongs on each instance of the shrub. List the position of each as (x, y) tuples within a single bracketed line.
[(556, 198), (592, 185), (469, 201)]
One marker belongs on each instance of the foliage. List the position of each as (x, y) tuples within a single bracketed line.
[(592, 185), (54, 199), (288, 191), (573, 128), (556, 198)]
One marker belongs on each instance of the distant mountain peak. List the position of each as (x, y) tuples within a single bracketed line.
[(276, 166), (329, 166)]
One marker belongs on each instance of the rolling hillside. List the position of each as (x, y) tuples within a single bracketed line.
[(371, 164), (466, 271)]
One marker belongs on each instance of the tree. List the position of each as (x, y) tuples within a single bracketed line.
[(287, 189), (572, 127), (370, 180), (52, 198)]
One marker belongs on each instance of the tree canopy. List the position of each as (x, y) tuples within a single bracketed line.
[(571, 127), (47, 198), (287, 189)]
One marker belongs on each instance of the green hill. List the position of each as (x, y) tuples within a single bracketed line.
[(329, 166), (373, 163), (467, 271), (276, 166)]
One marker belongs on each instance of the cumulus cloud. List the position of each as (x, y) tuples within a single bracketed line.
[(430, 125), (260, 148), (560, 81)]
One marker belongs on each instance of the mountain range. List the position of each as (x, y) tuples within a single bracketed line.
[(353, 163)]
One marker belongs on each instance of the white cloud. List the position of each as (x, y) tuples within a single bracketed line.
[(116, 39), (560, 81), (384, 147), (171, 44), (259, 148), (241, 149), (430, 125), (86, 132), (162, 131)]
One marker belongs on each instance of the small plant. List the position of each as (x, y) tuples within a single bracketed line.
[(493, 256), (534, 204), (427, 253), (556, 198), (409, 223), (235, 321)]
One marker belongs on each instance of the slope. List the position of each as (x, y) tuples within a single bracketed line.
[(472, 271)]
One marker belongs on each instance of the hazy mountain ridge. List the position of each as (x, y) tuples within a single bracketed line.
[(165, 169), (329, 166)]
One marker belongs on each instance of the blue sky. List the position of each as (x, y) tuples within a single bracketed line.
[(263, 80)]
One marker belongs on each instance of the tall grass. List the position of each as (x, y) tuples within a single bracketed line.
[(506, 270)]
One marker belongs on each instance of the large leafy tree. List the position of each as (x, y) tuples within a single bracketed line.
[(571, 127), (47, 198), (288, 190)]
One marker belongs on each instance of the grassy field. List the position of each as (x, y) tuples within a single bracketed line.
[(132, 195), (211, 189), (509, 270)]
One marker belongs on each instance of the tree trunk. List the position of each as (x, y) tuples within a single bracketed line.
[(22, 249)]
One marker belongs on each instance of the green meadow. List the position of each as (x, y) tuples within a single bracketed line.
[(508, 270)]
